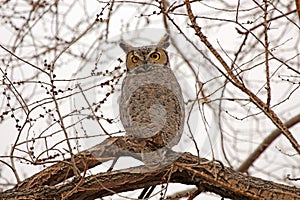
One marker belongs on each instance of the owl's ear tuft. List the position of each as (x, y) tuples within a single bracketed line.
[(125, 46), (164, 41)]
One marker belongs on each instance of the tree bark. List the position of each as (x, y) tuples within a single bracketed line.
[(188, 169)]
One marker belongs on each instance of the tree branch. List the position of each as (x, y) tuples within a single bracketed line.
[(298, 7), (239, 84), (188, 169), (266, 143)]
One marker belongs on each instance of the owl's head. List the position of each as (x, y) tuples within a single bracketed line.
[(140, 58)]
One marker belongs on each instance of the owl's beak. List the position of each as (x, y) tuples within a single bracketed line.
[(145, 66)]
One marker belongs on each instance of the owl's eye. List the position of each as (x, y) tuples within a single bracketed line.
[(135, 59), (155, 56)]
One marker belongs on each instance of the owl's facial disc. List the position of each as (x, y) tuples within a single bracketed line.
[(142, 57)]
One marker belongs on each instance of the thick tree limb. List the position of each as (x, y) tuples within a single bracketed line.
[(188, 169)]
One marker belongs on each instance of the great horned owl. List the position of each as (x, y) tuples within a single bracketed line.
[(151, 103)]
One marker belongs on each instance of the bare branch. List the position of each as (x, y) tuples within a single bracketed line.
[(211, 176), (235, 81), (266, 143)]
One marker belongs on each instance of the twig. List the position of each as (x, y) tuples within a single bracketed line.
[(268, 87)]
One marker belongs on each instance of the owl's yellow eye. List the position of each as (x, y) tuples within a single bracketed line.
[(135, 59), (155, 56)]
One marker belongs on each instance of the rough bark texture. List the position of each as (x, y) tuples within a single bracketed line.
[(188, 169)]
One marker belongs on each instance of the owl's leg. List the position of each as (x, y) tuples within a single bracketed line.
[(146, 192)]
